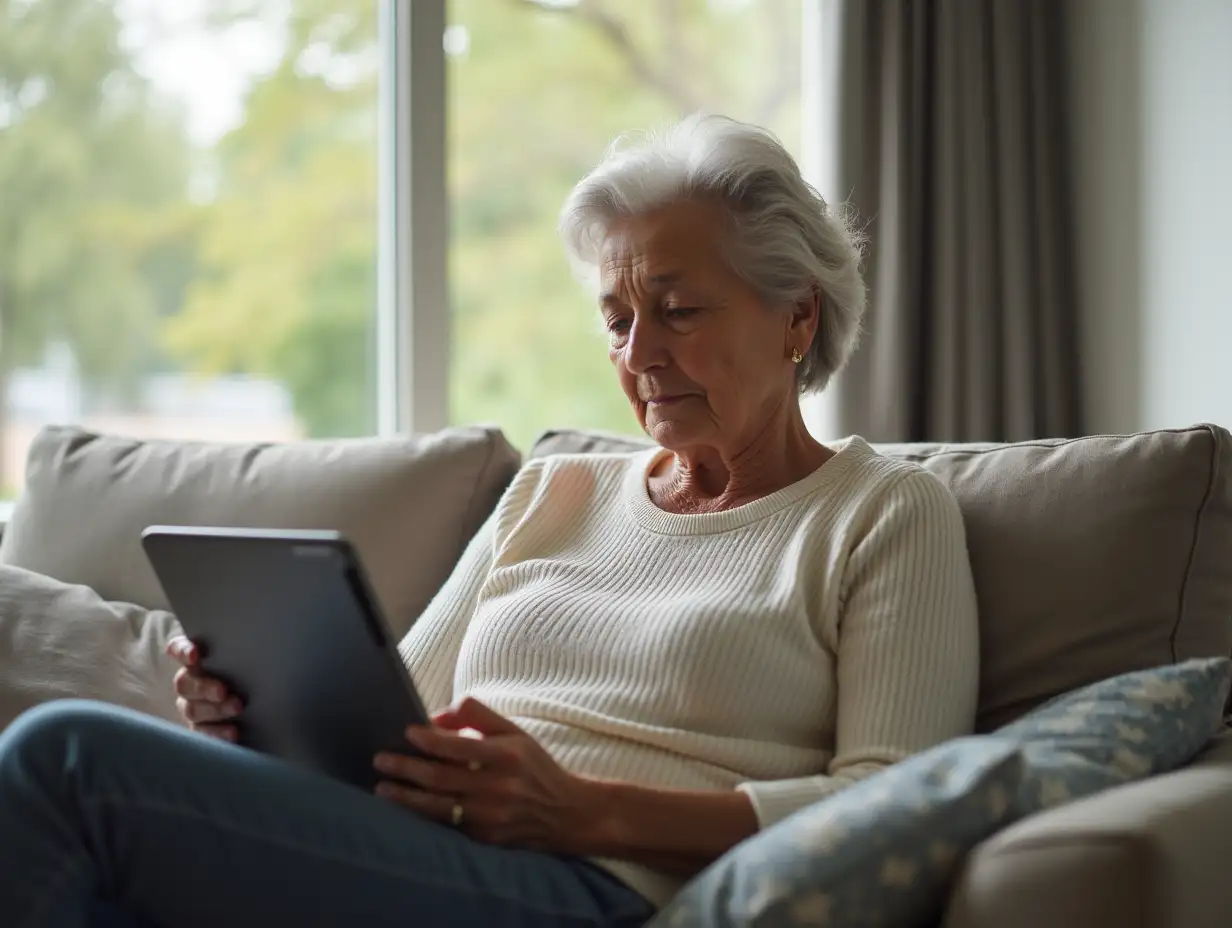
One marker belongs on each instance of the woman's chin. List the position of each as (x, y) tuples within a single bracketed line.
[(673, 432)]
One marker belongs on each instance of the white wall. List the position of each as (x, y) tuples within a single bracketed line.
[(1153, 139)]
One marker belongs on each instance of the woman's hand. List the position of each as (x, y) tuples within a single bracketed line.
[(203, 702), (509, 789)]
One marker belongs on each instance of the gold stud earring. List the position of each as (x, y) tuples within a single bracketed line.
[(796, 356)]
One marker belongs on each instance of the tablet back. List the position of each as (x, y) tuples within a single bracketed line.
[(289, 622)]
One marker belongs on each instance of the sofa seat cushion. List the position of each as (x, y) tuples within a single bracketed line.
[(1092, 556), (1150, 853), (409, 505)]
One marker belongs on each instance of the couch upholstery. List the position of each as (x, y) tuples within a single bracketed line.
[(409, 505), (1092, 557), (1153, 853)]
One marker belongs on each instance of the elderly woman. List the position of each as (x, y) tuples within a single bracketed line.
[(640, 660)]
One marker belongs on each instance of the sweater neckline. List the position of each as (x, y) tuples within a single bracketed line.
[(645, 513)]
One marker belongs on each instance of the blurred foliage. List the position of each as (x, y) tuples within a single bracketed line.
[(95, 241), (288, 242), (538, 95), (280, 257)]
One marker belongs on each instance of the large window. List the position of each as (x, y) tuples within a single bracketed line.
[(537, 90), (188, 218), (204, 204)]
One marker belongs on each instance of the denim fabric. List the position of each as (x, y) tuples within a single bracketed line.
[(107, 815)]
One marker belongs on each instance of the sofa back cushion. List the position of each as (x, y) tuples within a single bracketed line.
[(1092, 556), (408, 504)]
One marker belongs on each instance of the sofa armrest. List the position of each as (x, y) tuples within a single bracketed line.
[(1154, 853)]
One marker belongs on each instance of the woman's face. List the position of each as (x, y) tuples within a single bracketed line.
[(703, 360)]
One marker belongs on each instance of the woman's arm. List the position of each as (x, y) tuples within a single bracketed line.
[(907, 645), (430, 649), (674, 831)]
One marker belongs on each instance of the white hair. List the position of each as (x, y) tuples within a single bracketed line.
[(788, 243)]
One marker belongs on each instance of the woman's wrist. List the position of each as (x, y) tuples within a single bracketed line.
[(595, 828), (682, 830)]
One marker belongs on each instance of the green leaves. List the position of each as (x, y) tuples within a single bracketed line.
[(88, 161), (273, 271)]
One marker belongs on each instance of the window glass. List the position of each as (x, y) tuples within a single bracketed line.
[(537, 90), (188, 218)]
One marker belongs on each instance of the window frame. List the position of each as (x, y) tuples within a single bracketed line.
[(414, 313)]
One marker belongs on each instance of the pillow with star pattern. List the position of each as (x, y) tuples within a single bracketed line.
[(1118, 730), (885, 851)]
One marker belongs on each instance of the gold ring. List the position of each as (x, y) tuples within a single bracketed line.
[(474, 766), (455, 815)]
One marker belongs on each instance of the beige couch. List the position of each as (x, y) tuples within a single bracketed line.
[(1092, 557)]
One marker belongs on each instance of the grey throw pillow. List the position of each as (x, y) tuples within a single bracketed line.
[(60, 640)]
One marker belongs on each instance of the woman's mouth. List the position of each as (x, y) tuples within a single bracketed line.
[(669, 399)]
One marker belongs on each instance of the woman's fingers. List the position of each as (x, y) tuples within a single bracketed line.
[(431, 805), (200, 711), (201, 700), (433, 775), (487, 821), (183, 650), (473, 714), (192, 684), (461, 749)]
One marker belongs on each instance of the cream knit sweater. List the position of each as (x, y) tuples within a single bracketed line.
[(785, 648)]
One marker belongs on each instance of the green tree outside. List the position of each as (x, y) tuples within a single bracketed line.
[(288, 244), (274, 273), (93, 243), (535, 96)]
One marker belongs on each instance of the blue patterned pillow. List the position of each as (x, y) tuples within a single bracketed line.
[(885, 851), (878, 853), (1118, 730)]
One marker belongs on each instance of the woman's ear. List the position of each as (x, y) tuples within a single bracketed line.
[(804, 315)]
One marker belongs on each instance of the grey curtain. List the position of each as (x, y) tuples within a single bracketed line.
[(949, 120)]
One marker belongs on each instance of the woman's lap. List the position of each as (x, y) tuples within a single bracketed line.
[(184, 831)]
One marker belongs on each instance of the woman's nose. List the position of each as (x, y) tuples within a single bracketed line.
[(644, 350)]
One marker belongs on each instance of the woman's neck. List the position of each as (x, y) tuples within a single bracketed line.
[(712, 479)]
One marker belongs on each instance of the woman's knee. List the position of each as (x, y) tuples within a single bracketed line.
[(56, 731)]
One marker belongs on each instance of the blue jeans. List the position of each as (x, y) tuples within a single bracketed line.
[(105, 808)]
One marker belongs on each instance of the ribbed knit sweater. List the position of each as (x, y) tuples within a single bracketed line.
[(787, 647)]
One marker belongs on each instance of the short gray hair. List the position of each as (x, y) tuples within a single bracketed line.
[(788, 241)]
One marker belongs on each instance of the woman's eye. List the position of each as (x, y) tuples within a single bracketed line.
[(618, 326), (681, 312)]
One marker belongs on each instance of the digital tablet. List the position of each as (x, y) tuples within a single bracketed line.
[(288, 620)]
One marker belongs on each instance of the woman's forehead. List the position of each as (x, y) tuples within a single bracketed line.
[(651, 271), (664, 247)]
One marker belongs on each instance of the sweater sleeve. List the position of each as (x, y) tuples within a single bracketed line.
[(430, 649), (908, 645)]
